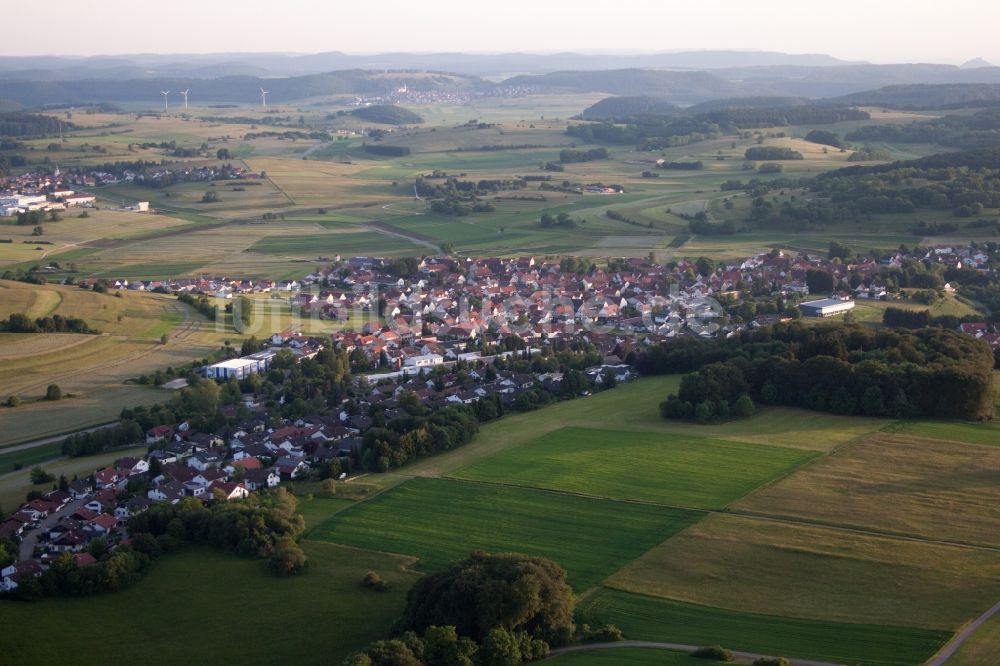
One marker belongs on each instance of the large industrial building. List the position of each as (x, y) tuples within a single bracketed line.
[(827, 307), (241, 368)]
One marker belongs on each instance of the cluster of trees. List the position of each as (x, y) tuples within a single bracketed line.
[(825, 138), (683, 166), (489, 610), (841, 369), (18, 322), (770, 153), (563, 219), (421, 434), (114, 570), (648, 132), (265, 524), (126, 433), (200, 303), (18, 124), (453, 187), (571, 155), (869, 153), (703, 227), (750, 118), (622, 217)]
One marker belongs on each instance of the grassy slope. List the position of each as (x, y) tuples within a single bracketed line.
[(440, 521), (648, 618), (678, 470)]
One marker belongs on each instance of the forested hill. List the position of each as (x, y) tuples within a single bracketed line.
[(611, 108), (920, 96), (387, 114), (232, 89), (727, 103), (983, 158), (677, 86), (18, 125)]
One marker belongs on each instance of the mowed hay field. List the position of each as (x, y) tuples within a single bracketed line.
[(440, 521), (669, 469), (751, 565), (899, 484), (183, 612), (647, 618)]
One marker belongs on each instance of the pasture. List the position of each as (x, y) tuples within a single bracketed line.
[(678, 470), (807, 571), (192, 593), (439, 521), (647, 618)]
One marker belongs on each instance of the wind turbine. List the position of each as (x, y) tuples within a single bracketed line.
[(185, 95), (166, 105), (263, 97)]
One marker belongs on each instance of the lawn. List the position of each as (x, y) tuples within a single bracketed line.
[(895, 483), (625, 657), (205, 606), (668, 469), (647, 618), (752, 565), (440, 521)]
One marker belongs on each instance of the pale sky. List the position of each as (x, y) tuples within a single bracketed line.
[(874, 30)]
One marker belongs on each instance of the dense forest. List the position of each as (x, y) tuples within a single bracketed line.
[(845, 369), (387, 114), (614, 108)]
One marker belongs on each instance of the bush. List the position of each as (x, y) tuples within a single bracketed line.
[(373, 581), (40, 476), (770, 661), (53, 392), (288, 559), (609, 633), (714, 653), (13, 401)]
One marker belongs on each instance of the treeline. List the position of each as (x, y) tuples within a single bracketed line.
[(126, 433), (621, 217), (834, 368), (453, 187), (682, 166), (766, 153), (20, 323), (571, 155), (18, 124), (386, 151), (825, 138), (782, 117), (290, 134), (200, 303)]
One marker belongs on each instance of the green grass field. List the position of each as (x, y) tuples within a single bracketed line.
[(679, 470), (440, 521), (647, 618), (202, 605), (953, 431)]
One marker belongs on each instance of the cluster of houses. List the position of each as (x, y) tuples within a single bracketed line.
[(254, 454), (40, 194)]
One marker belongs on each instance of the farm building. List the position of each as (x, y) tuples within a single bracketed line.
[(827, 307), (240, 368)]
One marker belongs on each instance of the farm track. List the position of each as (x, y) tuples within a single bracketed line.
[(949, 650), (739, 657)]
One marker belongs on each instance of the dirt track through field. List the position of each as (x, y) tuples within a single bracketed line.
[(949, 650)]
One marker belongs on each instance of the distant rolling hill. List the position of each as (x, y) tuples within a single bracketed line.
[(727, 103), (387, 114), (610, 108), (675, 86), (234, 89), (924, 96)]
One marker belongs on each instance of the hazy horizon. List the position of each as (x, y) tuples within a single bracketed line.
[(887, 32)]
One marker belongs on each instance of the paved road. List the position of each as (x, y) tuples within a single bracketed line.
[(740, 657), (30, 539), (951, 648)]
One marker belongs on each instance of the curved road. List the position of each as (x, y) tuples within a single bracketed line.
[(740, 657)]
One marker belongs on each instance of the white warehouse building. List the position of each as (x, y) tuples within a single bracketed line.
[(241, 368), (826, 307)]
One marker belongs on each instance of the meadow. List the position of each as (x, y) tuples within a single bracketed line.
[(647, 618), (439, 521), (687, 471), (319, 617)]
